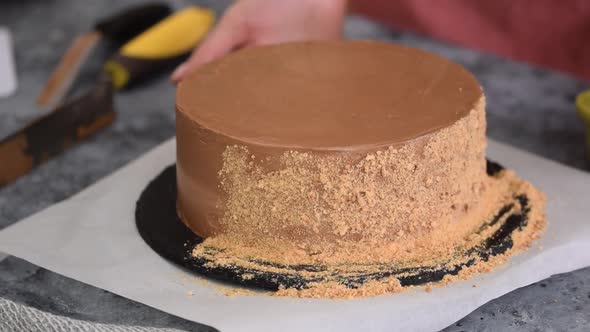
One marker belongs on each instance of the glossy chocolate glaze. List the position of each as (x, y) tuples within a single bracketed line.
[(328, 95)]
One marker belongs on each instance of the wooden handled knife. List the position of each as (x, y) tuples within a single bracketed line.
[(57, 131)]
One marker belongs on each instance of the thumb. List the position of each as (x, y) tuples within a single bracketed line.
[(226, 36)]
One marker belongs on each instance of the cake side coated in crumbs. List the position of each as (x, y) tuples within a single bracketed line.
[(320, 205)]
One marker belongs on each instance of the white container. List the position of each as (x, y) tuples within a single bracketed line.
[(7, 65)]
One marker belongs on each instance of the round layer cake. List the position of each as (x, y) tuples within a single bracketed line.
[(333, 152)]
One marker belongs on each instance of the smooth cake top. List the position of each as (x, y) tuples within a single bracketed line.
[(328, 95)]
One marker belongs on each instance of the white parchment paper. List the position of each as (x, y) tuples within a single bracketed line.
[(92, 238)]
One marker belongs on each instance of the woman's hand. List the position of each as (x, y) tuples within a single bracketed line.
[(259, 22)]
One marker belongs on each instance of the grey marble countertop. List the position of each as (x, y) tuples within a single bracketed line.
[(528, 107)]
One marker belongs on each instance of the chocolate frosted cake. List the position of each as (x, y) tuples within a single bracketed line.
[(346, 155)]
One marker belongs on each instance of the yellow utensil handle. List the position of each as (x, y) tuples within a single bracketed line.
[(159, 46), (583, 106), (172, 37)]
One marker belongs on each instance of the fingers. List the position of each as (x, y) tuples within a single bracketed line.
[(230, 33)]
